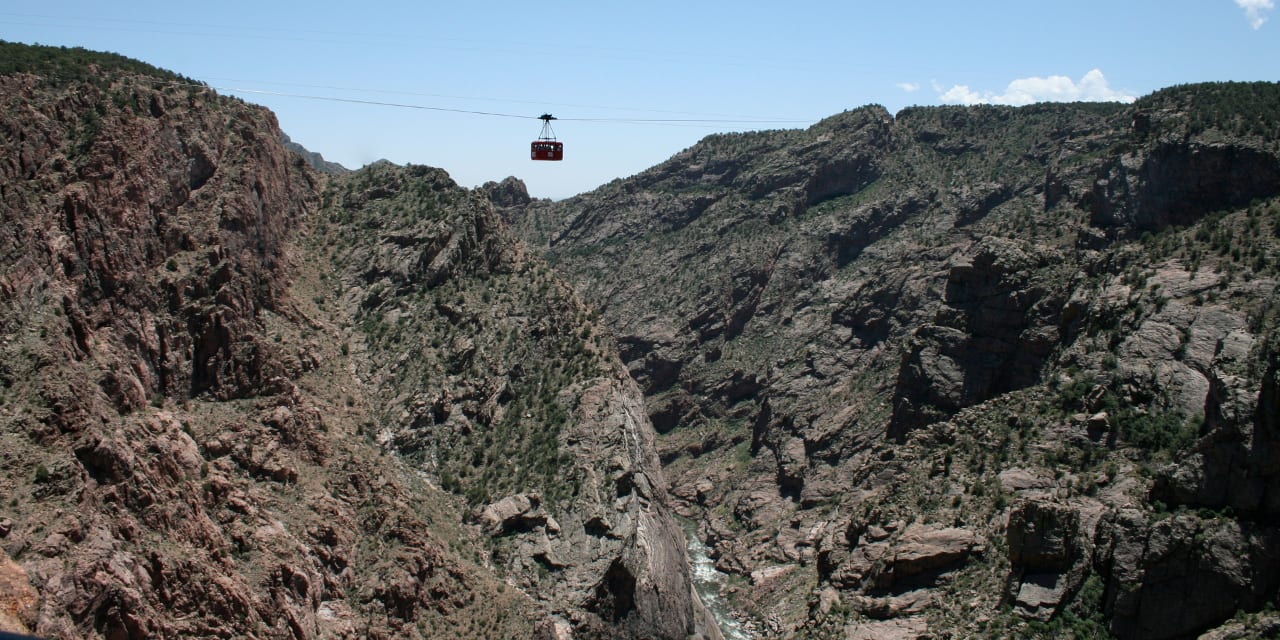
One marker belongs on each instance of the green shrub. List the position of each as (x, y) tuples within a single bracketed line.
[(1168, 431)]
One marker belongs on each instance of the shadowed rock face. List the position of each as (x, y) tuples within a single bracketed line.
[(1236, 466), (1000, 325), (1185, 587), (1177, 184), (882, 316)]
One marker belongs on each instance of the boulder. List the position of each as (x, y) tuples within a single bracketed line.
[(892, 559), (1046, 555), (1041, 536), (520, 512), (1026, 481), (898, 629), (1039, 595), (1266, 626), (929, 547)]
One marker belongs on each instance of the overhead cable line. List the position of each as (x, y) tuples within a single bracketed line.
[(676, 121), (479, 98)]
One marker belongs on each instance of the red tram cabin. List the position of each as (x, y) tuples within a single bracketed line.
[(546, 147)]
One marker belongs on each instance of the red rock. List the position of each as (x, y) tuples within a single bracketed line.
[(923, 547), (18, 599)]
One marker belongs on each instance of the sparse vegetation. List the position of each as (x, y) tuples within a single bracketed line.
[(75, 64), (873, 326), (920, 288)]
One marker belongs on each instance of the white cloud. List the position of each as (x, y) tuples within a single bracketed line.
[(1092, 87), (909, 87), (962, 94), (1254, 10)]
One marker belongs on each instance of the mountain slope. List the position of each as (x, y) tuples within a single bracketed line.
[(201, 433), (494, 378), (926, 337)]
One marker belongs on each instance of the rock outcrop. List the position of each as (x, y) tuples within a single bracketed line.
[(1184, 574), (1048, 556), (999, 325), (1237, 464)]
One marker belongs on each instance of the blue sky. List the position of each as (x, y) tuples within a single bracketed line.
[(609, 68)]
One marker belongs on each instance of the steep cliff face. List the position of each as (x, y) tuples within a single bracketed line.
[(171, 467), (858, 337), (494, 378), (160, 259), (204, 431)]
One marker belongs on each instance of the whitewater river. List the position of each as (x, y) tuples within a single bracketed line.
[(708, 582)]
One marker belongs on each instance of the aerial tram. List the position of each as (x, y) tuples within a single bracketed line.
[(546, 147)]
